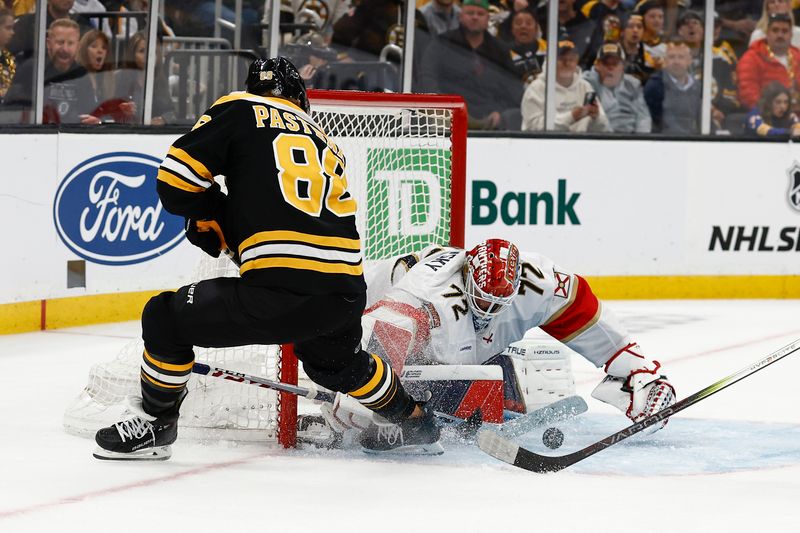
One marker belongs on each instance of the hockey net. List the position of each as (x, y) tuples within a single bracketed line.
[(406, 157)]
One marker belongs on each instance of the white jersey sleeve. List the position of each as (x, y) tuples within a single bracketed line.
[(568, 310)]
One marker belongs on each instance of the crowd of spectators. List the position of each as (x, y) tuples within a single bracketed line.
[(623, 66), (83, 83)]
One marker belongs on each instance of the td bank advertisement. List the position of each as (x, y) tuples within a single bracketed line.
[(640, 208)]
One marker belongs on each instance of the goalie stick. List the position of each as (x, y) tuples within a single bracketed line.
[(555, 412), (503, 449), (558, 411)]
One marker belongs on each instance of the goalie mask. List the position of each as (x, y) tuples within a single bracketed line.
[(277, 76), (493, 277)]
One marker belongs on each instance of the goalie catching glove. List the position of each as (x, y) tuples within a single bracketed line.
[(635, 386)]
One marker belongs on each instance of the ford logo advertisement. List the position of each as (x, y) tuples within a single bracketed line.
[(107, 210)]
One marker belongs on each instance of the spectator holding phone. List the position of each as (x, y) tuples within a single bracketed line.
[(620, 94), (577, 106)]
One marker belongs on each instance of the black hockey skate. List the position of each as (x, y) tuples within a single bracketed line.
[(412, 436), (140, 437)]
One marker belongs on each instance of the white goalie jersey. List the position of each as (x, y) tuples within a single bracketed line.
[(423, 316)]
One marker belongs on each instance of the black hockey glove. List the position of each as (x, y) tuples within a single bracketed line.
[(206, 235)]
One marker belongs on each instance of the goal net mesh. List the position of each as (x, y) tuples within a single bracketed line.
[(399, 171)]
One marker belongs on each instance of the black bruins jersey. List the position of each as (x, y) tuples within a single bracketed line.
[(288, 214)]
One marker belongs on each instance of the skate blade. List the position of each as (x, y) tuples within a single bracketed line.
[(159, 453), (412, 449)]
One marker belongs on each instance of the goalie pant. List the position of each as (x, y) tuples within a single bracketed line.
[(326, 330)]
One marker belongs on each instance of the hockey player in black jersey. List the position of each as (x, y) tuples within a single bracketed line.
[(290, 222)]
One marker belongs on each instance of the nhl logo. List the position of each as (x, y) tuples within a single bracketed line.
[(794, 186)]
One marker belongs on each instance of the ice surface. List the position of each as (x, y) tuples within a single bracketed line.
[(729, 463)]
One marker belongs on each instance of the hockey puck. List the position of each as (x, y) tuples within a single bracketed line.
[(553, 438)]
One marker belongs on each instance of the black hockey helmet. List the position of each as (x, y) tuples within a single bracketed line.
[(277, 76)]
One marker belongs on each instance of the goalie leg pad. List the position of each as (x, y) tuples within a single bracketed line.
[(537, 373)]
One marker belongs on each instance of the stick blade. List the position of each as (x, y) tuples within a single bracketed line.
[(558, 411), (509, 452), (498, 447)]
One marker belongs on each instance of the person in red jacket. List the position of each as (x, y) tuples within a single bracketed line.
[(770, 59)]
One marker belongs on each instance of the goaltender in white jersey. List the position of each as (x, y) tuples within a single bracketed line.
[(461, 307)]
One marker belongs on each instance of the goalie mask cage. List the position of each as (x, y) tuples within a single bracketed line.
[(406, 167)]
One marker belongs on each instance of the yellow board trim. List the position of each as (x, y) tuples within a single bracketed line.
[(308, 238), (196, 165), (694, 287), (380, 368), (73, 311), (302, 264), (168, 366), (21, 317), (178, 183)]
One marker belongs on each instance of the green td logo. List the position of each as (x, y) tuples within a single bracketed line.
[(408, 200)]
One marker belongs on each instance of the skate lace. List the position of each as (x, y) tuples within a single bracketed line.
[(391, 433), (135, 428)]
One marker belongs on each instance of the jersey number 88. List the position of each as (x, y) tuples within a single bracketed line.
[(298, 161)]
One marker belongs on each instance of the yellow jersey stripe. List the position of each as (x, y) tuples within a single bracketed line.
[(380, 368), (171, 179), (190, 161), (241, 95), (160, 383), (167, 366), (302, 264), (308, 238)]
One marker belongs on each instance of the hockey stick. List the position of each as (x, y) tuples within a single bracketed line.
[(557, 411), (503, 449), (310, 393)]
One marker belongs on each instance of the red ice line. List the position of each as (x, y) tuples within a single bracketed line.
[(129, 486)]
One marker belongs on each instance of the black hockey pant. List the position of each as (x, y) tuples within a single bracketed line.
[(223, 312)]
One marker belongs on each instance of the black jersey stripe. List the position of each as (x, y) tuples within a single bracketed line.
[(302, 264), (313, 258), (310, 239), (303, 243), (166, 369)]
